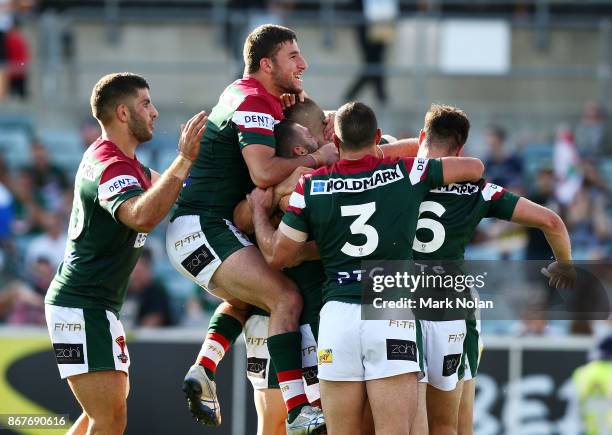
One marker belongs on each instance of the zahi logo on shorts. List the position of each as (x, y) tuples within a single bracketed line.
[(256, 367), (450, 364), (325, 356), (310, 375), (198, 260), (402, 350), (121, 343), (69, 353)]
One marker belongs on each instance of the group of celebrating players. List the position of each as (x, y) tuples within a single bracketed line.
[(276, 211)]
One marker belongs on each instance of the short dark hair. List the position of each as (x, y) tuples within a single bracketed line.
[(356, 125), (111, 90), (307, 113), (264, 41), (446, 124), (284, 133)]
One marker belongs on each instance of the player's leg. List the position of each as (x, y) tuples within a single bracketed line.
[(80, 425), (393, 403), (367, 421), (271, 412), (224, 327), (443, 343), (466, 408), (257, 284), (343, 403), (392, 361), (102, 396), (419, 425), (216, 254), (443, 410)]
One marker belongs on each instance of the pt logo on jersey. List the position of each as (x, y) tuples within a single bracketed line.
[(198, 260), (310, 375), (450, 364), (69, 353), (121, 343), (325, 356), (256, 367), (402, 350)]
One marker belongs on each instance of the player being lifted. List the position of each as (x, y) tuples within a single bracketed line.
[(291, 139), (349, 225), (448, 217), (205, 246), (117, 201)]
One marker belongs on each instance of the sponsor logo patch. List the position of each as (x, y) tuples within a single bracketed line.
[(310, 375), (254, 120), (69, 353), (325, 356), (198, 260), (256, 367), (70, 327), (379, 178), (417, 173), (401, 350), (450, 364), (457, 189), (116, 185), (491, 191), (121, 343)]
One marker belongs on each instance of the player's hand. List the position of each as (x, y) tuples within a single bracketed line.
[(327, 154), (260, 199), (328, 131), (288, 100), (287, 186), (191, 135), (560, 274)]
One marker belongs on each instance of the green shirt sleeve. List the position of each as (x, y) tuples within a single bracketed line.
[(501, 203)]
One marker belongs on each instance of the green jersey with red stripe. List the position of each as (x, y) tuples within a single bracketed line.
[(449, 215), (101, 251), (359, 210), (245, 114)]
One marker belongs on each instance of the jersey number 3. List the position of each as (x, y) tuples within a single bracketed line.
[(434, 226), (359, 226)]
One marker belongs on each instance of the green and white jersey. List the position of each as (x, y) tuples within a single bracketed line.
[(101, 252), (449, 215), (358, 210), (219, 179)]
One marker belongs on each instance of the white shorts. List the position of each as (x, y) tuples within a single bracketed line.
[(443, 348), (196, 246), (260, 370), (351, 349), (86, 340)]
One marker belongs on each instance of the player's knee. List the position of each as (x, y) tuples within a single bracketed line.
[(112, 421), (291, 304)]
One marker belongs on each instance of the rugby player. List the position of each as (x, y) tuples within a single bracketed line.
[(117, 201), (291, 139), (205, 246), (349, 225), (448, 217)]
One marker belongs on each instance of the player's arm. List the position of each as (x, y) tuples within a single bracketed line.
[(143, 212), (560, 273), (458, 169), (530, 214), (280, 247), (266, 169), (401, 148), (154, 176)]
